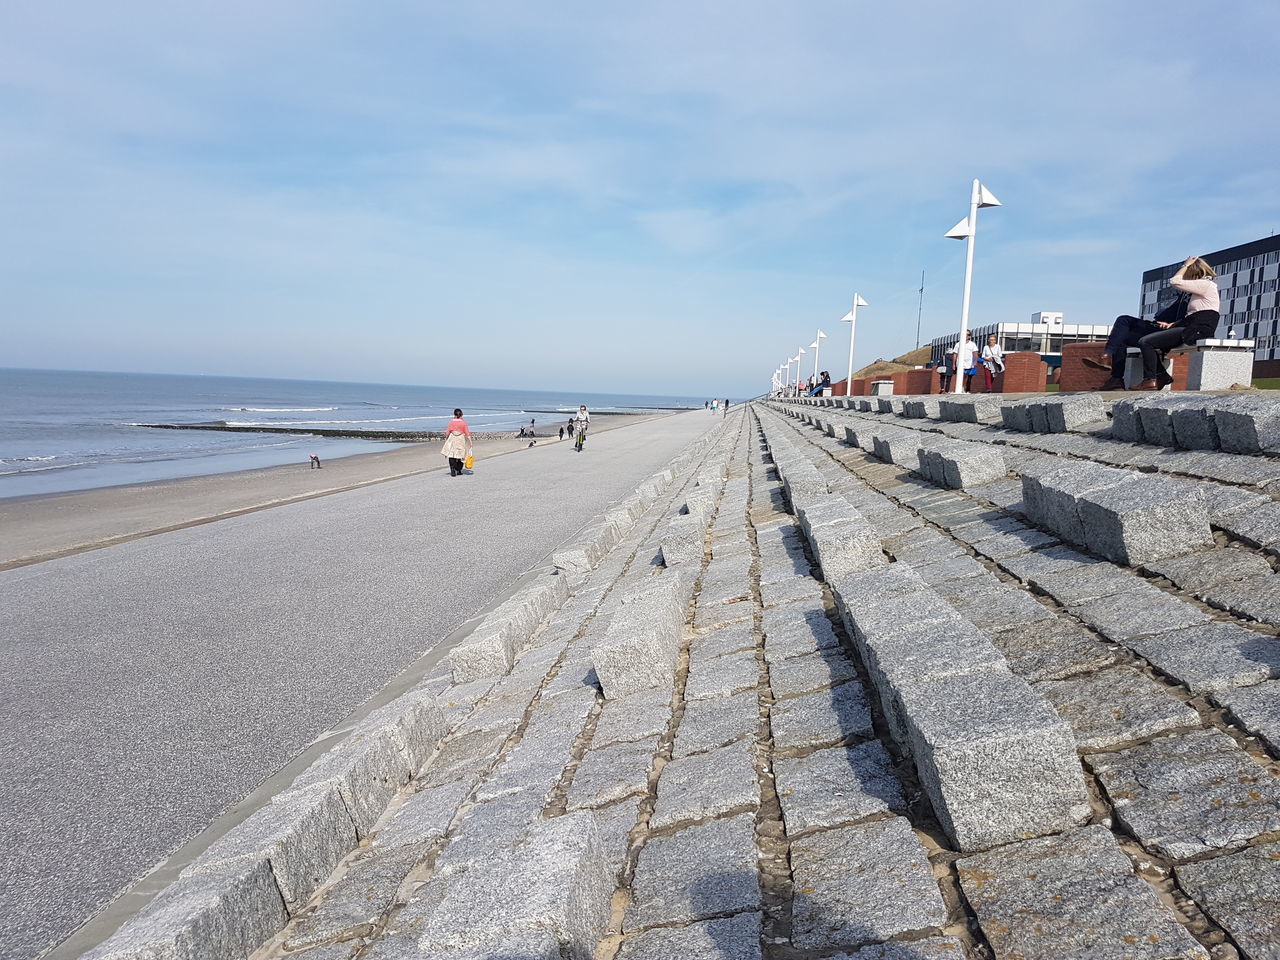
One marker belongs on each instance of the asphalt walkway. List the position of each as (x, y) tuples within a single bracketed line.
[(148, 686)]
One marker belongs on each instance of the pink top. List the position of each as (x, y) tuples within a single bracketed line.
[(1204, 293), (457, 425)]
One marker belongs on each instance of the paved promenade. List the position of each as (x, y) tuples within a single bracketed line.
[(149, 685)]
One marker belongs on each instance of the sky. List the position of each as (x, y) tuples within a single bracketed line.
[(659, 198)]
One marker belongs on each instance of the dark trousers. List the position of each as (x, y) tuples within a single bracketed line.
[(455, 467), (1195, 326), (1127, 332)]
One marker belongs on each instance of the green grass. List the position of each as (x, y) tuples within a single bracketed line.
[(1267, 383), (1052, 387)]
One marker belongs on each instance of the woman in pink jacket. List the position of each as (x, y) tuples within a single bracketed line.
[(457, 443)]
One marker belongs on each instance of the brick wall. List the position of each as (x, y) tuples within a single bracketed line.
[(915, 382), (839, 387), (1075, 374), (1024, 373)]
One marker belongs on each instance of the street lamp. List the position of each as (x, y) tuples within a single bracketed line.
[(966, 229), (852, 318), (799, 354), (817, 344)]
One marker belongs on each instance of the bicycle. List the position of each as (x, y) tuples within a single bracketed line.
[(582, 435)]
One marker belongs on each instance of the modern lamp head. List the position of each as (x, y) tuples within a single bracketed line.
[(960, 231), (821, 336), (859, 302), (986, 198), (847, 318), (814, 345)]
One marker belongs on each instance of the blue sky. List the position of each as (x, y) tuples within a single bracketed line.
[(656, 198)]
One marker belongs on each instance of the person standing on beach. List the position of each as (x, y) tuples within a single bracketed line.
[(457, 443)]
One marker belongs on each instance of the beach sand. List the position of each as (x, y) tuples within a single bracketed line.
[(44, 527)]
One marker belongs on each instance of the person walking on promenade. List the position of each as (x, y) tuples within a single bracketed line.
[(967, 360), (1191, 317), (457, 443), (992, 361), (562, 433)]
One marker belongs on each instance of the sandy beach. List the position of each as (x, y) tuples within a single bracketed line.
[(44, 527)]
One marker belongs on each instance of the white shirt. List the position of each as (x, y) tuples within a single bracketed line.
[(584, 415), (994, 354), (966, 352)]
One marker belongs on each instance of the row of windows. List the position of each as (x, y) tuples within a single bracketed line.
[(1249, 263), (1247, 289)]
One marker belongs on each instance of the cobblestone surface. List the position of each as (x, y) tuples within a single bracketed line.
[(796, 778)]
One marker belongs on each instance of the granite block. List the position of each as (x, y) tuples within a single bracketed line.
[(1051, 650), (1071, 897), (1255, 598), (1143, 519), (1242, 893), (611, 773), (1121, 617), (1194, 572), (795, 676), (836, 786), (723, 676), (636, 717), (1256, 709), (970, 731), (822, 718), (707, 785), (712, 723), (1213, 656), (862, 884), (796, 629), (703, 871), (728, 938), (1190, 794), (1116, 705)]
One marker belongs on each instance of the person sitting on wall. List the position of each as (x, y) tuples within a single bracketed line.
[(1191, 317)]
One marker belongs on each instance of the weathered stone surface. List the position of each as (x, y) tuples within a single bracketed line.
[(556, 880), (636, 717), (970, 731), (861, 884), (1242, 893), (611, 773), (1144, 518), (822, 718), (1051, 650), (712, 723), (424, 817), (1257, 709), (1043, 562), (731, 639), (1190, 794), (1248, 425), (994, 605), (1257, 598), (730, 938), (788, 591), (615, 823), (931, 948), (707, 785), (1213, 656), (1123, 616), (684, 539), (795, 630), (223, 913), (357, 900), (696, 873), (723, 676), (1116, 705), (953, 568), (1084, 582), (816, 671), (635, 656), (836, 786), (1071, 897), (464, 757), (1194, 572)]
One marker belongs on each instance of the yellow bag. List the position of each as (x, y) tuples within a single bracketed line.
[(469, 462)]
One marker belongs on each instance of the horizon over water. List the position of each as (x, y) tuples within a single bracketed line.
[(63, 430)]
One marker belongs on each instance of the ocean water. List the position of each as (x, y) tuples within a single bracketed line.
[(66, 430)]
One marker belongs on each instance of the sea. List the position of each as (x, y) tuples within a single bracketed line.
[(66, 430)]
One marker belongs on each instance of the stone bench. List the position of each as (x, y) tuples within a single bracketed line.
[(959, 465), (970, 409), (1212, 365)]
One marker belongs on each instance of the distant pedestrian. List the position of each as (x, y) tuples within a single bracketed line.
[(457, 443), (726, 405), (992, 361), (315, 462), (531, 423), (706, 404), (562, 433)]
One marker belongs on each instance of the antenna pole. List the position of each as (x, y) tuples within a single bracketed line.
[(920, 310)]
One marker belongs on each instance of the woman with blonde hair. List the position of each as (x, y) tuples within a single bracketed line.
[(457, 443), (1191, 317)]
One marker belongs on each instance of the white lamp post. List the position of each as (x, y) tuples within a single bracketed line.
[(817, 345), (799, 354), (967, 229), (852, 318)]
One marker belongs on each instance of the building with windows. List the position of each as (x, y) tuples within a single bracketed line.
[(1045, 335), (1247, 276)]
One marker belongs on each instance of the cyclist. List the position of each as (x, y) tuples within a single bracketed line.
[(582, 421)]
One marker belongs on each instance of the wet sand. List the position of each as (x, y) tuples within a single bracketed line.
[(44, 527)]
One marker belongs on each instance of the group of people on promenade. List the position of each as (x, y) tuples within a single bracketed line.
[(459, 448), (716, 405), (968, 358)]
